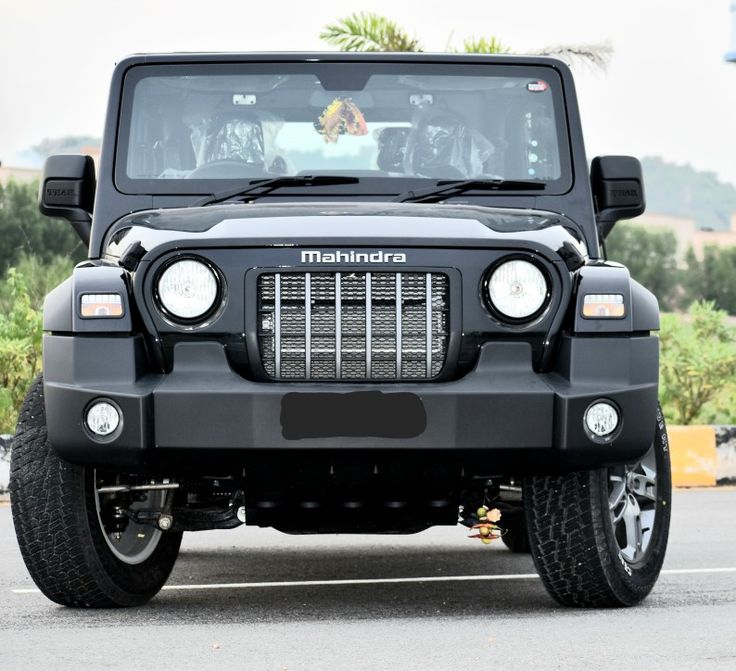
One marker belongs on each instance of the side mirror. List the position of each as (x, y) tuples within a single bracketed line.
[(618, 190), (67, 191)]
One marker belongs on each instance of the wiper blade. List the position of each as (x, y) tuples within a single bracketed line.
[(261, 187), (452, 188)]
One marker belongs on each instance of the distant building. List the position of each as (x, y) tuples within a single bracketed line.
[(721, 238), (731, 54), (687, 233), (18, 174), (684, 228)]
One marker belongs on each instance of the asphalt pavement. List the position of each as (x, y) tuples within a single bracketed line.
[(257, 599)]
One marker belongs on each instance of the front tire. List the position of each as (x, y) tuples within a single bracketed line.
[(599, 537), (60, 533)]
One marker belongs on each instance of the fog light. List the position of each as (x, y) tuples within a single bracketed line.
[(601, 418), (103, 418)]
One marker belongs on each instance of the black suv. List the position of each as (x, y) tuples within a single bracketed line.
[(356, 293)]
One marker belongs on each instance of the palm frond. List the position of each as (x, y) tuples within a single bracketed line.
[(366, 31), (484, 45), (591, 56)]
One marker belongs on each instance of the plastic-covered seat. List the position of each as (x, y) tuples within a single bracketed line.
[(441, 145)]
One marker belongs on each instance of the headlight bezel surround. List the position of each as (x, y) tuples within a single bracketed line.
[(200, 321), (502, 317)]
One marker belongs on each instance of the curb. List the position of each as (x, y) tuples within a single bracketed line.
[(726, 446), (694, 455), (702, 455)]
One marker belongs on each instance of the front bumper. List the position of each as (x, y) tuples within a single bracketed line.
[(502, 410)]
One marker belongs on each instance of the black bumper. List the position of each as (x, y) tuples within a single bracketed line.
[(204, 409)]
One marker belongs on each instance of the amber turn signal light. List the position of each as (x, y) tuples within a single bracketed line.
[(603, 306)]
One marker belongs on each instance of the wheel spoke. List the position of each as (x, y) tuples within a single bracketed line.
[(632, 522), (617, 496), (644, 485)]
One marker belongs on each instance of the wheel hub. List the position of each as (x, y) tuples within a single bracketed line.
[(632, 503)]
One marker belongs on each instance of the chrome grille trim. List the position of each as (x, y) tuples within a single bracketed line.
[(428, 322), (353, 325), (399, 339), (308, 324), (368, 325), (338, 325), (277, 323)]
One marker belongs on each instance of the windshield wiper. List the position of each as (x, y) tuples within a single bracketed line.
[(455, 187), (258, 188)]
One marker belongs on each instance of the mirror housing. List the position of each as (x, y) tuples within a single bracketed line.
[(67, 191), (618, 190)]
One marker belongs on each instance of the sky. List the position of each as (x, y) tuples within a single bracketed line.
[(667, 91)]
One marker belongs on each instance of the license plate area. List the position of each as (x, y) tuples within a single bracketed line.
[(372, 414)]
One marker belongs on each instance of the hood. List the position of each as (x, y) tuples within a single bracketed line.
[(351, 225)]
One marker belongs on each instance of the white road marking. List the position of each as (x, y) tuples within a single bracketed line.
[(384, 581)]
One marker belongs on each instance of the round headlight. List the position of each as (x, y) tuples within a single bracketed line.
[(188, 289), (517, 289)]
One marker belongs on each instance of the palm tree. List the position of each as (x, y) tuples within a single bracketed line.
[(367, 31)]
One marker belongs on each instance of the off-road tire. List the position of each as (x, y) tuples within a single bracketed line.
[(572, 536), (58, 529)]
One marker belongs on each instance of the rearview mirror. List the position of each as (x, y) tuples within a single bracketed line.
[(618, 190), (67, 191)]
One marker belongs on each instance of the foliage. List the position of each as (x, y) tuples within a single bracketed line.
[(682, 191), (25, 231), (484, 45), (650, 256), (594, 56), (368, 31), (712, 278), (697, 364), (39, 278), (20, 349)]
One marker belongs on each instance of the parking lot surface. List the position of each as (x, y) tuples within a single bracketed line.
[(258, 599)]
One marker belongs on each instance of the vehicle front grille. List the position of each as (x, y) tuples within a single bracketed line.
[(353, 325)]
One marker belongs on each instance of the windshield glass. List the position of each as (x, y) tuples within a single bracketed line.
[(186, 124)]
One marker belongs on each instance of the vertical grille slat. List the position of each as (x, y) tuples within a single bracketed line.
[(308, 324), (399, 334), (277, 323), (428, 323), (370, 326), (338, 325)]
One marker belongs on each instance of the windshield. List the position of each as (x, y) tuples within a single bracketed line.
[(188, 125)]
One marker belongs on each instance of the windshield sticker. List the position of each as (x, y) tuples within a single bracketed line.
[(342, 116), (537, 86)]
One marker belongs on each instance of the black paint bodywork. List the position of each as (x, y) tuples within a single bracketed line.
[(510, 400)]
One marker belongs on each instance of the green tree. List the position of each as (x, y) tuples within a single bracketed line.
[(25, 231), (698, 362), (650, 256), (20, 349), (368, 31), (712, 278)]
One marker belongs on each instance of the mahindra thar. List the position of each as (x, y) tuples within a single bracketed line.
[(343, 293)]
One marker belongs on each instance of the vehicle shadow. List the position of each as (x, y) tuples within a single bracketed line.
[(352, 602)]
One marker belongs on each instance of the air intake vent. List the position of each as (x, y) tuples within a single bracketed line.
[(353, 325)]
